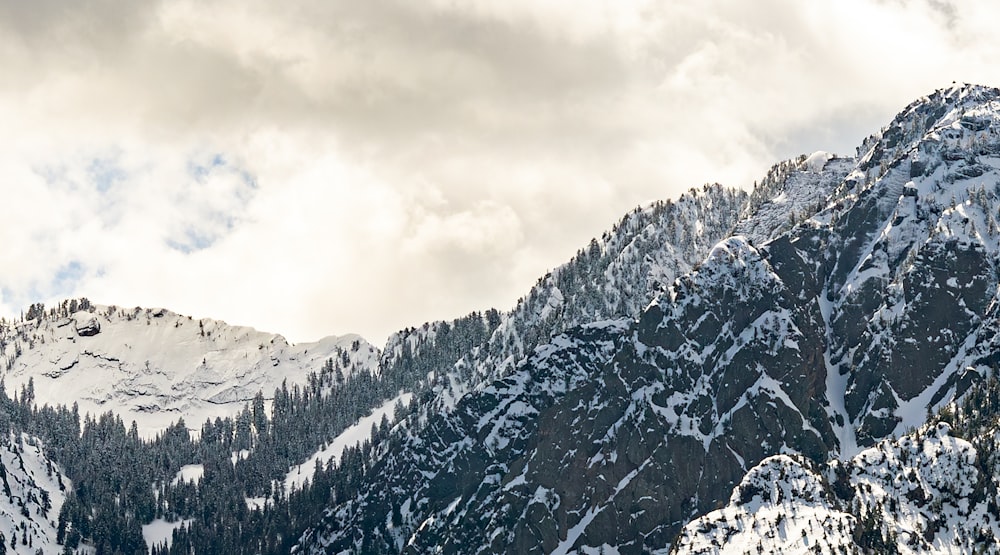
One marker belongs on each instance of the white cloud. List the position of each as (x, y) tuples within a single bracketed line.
[(336, 167)]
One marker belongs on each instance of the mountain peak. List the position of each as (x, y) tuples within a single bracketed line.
[(154, 366), (970, 107)]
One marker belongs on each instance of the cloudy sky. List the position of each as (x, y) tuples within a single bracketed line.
[(325, 167)]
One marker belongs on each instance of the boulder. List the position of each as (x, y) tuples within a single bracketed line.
[(88, 326)]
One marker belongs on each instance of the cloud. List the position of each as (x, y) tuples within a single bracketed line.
[(364, 166)]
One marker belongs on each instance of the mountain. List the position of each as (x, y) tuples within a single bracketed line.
[(870, 304), (614, 277), (154, 366), (808, 366)]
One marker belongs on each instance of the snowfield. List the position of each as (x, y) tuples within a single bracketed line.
[(153, 366)]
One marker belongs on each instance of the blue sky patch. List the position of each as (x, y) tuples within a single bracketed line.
[(105, 173), (67, 277), (200, 170), (195, 240)]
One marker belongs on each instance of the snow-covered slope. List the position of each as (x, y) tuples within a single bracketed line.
[(783, 505), (33, 491), (911, 243), (791, 192), (926, 492), (446, 472), (618, 274), (154, 366)]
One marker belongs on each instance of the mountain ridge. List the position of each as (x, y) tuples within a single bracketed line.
[(795, 311), (156, 366)]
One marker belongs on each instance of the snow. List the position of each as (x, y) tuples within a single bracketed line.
[(817, 161), (913, 412), (31, 483), (575, 532), (452, 506), (161, 532), (350, 437), (791, 190), (922, 484), (189, 473), (603, 549), (238, 456), (780, 506), (257, 503), (155, 366), (836, 390)]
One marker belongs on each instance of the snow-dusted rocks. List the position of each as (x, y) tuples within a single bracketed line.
[(922, 493), (32, 491), (616, 275), (781, 506), (792, 191), (87, 324)]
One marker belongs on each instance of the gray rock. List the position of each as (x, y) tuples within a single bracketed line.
[(88, 326)]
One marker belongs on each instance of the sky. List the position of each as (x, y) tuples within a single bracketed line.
[(328, 167)]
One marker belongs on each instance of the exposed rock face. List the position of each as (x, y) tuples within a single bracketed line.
[(87, 325), (818, 334)]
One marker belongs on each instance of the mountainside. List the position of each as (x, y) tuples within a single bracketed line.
[(32, 496), (791, 191), (618, 274), (820, 338), (154, 366), (614, 276)]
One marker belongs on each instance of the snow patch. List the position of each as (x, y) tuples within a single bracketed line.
[(160, 532), (189, 473)]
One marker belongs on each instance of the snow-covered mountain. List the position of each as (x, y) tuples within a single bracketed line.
[(154, 366), (861, 296), (510, 399)]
